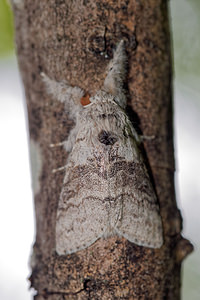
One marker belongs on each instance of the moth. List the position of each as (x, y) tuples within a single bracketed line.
[(106, 190)]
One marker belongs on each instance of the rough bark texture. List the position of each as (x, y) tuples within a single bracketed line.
[(66, 40)]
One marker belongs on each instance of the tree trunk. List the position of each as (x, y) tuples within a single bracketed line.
[(73, 40)]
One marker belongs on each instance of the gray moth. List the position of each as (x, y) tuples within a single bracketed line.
[(106, 189)]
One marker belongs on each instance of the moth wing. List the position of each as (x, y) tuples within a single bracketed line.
[(139, 220), (81, 216)]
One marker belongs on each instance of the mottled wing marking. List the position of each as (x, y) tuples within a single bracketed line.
[(80, 224), (82, 216), (139, 221), (106, 190)]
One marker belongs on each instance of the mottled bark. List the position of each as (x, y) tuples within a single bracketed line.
[(73, 40)]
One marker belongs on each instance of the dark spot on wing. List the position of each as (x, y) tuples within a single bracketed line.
[(107, 138)]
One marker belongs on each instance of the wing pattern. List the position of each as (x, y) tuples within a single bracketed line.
[(106, 189)]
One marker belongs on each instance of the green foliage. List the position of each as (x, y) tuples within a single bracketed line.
[(185, 15), (6, 28)]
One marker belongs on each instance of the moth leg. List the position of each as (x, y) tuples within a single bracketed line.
[(65, 93), (57, 144), (147, 137), (69, 143), (138, 138), (59, 169)]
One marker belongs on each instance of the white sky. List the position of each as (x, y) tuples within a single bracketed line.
[(16, 212)]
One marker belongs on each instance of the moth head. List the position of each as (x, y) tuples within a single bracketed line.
[(102, 97)]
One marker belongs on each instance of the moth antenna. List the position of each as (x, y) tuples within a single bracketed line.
[(64, 93), (117, 70)]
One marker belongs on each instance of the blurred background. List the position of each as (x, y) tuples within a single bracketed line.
[(17, 212)]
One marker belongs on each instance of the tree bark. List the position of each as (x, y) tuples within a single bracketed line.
[(73, 40)]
